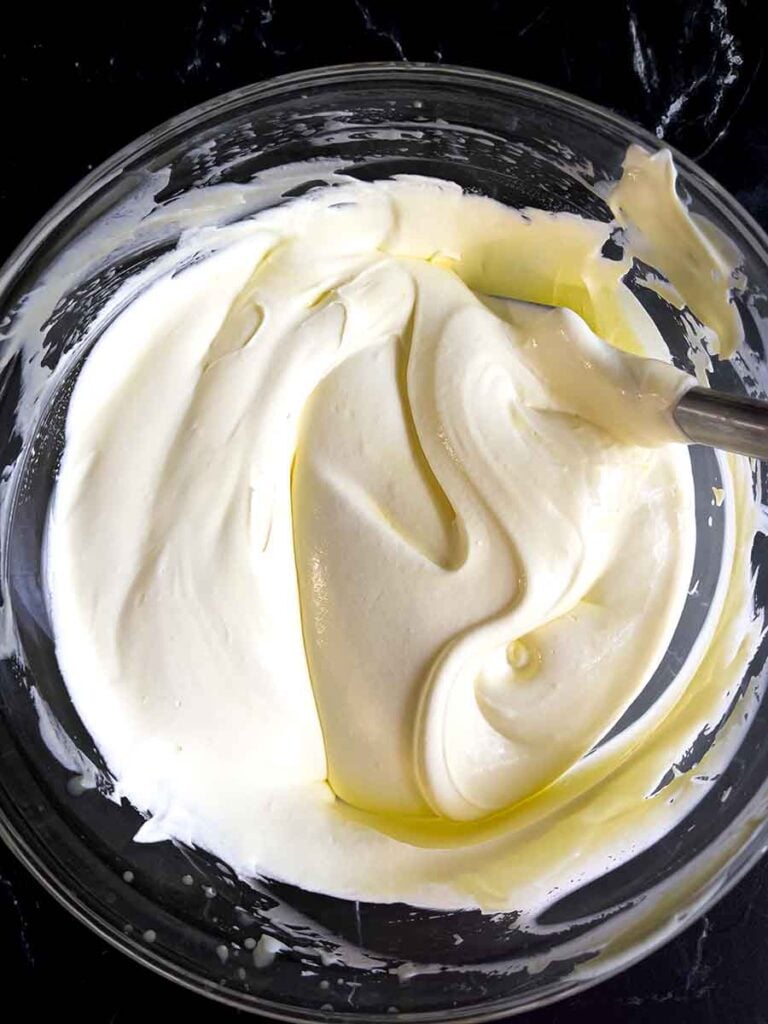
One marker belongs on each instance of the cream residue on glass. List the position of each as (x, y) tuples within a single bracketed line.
[(356, 551)]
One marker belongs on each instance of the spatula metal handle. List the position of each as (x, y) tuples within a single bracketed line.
[(732, 422)]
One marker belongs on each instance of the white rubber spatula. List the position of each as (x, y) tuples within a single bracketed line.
[(733, 423)]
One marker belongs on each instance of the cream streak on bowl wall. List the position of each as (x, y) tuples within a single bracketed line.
[(344, 554)]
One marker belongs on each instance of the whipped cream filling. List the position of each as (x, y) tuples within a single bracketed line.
[(356, 551)]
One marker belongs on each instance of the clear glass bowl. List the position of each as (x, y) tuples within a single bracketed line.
[(176, 909)]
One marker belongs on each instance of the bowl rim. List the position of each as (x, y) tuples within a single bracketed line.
[(735, 866), (369, 70)]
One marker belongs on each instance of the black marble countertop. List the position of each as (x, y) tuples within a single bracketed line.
[(78, 81)]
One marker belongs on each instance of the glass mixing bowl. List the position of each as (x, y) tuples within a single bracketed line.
[(176, 909)]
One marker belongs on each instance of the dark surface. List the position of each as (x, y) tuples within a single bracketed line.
[(80, 81)]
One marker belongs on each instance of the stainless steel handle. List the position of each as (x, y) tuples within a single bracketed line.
[(731, 422)]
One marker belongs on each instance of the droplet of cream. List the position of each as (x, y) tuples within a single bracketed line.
[(266, 950), (406, 971), (80, 784)]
